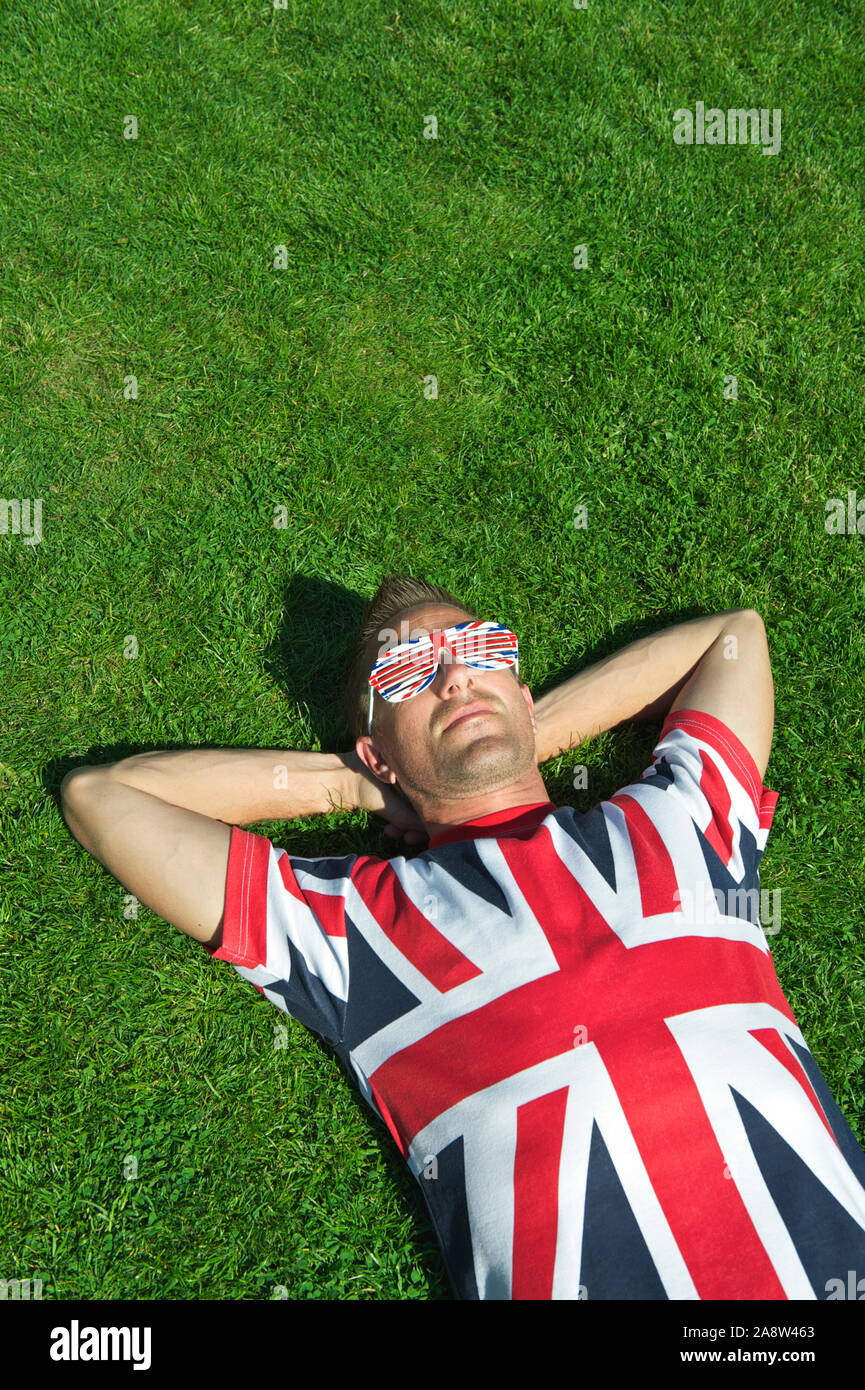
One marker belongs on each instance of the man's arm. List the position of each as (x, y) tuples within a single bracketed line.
[(733, 682), (161, 822), (658, 673)]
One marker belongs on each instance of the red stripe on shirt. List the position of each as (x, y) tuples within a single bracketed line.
[(771, 1040), (411, 931), (652, 860), (540, 1127)]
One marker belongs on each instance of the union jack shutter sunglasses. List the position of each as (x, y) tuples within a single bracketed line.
[(404, 671)]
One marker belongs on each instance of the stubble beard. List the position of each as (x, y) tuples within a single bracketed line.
[(484, 764)]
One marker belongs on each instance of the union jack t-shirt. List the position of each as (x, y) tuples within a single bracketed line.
[(571, 1025)]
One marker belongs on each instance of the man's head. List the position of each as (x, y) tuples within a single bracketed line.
[(450, 772)]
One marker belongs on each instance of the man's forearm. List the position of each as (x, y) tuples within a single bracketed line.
[(639, 682), (241, 786)]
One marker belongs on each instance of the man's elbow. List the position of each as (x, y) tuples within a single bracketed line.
[(78, 795), (75, 782)]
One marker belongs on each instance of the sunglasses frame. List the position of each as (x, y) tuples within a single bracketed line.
[(449, 635)]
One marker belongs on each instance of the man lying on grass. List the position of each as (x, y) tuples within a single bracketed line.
[(569, 1023)]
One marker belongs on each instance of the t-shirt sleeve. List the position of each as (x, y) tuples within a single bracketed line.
[(284, 929), (710, 773)]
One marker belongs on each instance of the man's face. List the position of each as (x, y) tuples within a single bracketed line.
[(416, 743)]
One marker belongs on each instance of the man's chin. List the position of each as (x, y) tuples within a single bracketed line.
[(484, 763)]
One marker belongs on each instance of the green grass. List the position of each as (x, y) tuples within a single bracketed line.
[(260, 1168)]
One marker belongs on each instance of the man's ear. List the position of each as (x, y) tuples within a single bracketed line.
[(527, 696), (373, 758)]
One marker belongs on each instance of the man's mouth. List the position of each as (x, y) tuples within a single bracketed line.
[(467, 713)]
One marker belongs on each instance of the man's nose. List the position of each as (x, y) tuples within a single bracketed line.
[(450, 668)]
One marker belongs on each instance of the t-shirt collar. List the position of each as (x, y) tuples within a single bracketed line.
[(512, 818)]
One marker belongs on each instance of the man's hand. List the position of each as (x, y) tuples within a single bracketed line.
[(382, 799)]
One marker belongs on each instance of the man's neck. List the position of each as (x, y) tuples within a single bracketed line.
[(442, 816)]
